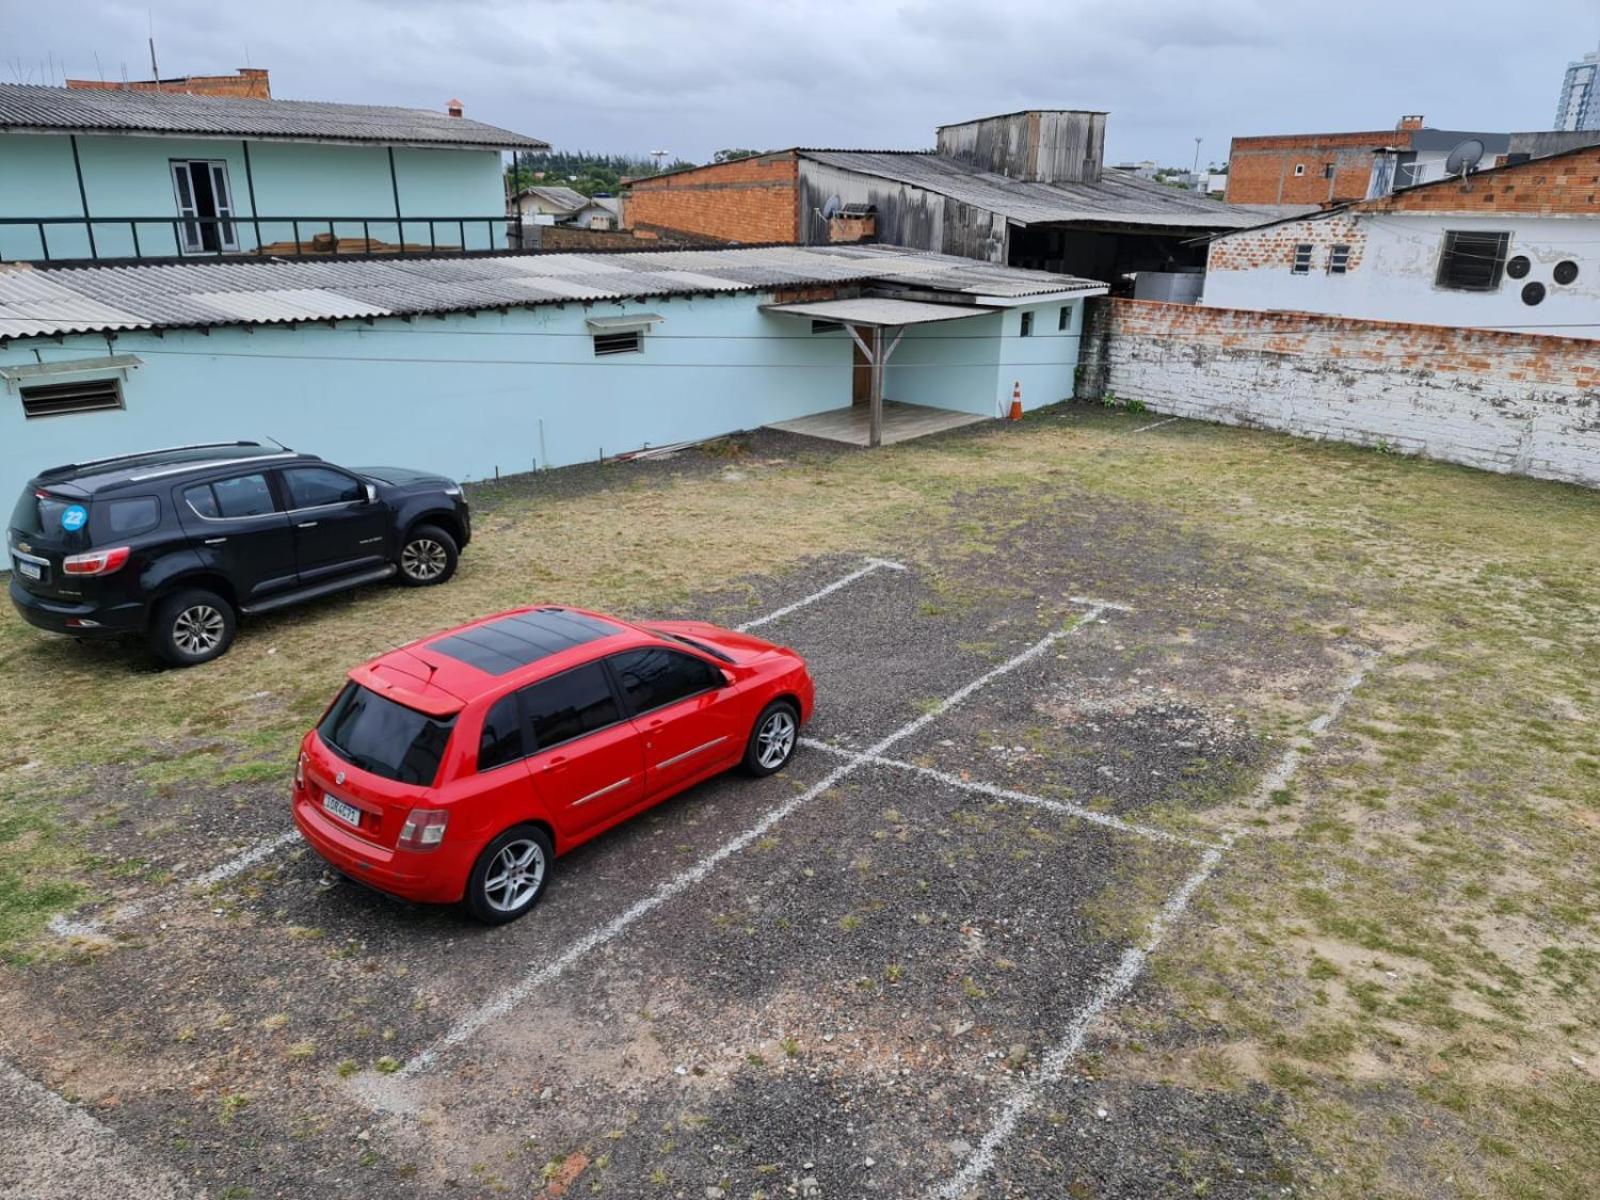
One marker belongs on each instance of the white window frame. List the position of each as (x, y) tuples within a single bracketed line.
[(1299, 170), (191, 233)]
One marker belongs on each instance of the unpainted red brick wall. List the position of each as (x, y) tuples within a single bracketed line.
[(750, 200), (1261, 169), (1521, 403), (1559, 185)]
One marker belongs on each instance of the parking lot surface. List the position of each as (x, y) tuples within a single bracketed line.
[(870, 974)]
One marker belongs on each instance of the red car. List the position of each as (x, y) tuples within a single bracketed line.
[(458, 767)]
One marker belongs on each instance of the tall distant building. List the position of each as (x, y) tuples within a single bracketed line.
[(1580, 105)]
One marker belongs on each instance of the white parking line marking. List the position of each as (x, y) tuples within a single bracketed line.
[(1054, 1065), (1064, 807), (1096, 602), (64, 926), (873, 564), (53, 1150), (387, 1092), (1154, 425)]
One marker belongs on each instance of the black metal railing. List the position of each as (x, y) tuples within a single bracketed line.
[(99, 239)]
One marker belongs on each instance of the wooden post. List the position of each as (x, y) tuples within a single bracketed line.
[(875, 411)]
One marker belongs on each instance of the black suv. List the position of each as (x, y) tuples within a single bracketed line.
[(171, 544)]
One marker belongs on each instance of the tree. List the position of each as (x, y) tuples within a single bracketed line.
[(733, 155)]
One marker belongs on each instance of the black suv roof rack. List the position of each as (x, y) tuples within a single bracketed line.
[(74, 467)]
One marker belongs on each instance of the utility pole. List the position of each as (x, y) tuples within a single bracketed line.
[(1195, 172)]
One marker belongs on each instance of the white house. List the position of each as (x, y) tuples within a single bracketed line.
[(1513, 247)]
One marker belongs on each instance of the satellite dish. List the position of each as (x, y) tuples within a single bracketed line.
[(831, 207), (1464, 157)]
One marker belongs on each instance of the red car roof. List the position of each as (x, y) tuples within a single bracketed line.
[(439, 674)]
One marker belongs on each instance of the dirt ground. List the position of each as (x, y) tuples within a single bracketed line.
[(1156, 835)]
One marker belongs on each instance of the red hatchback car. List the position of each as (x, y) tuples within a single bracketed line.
[(456, 768)]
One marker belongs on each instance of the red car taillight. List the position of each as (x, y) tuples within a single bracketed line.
[(424, 828), (96, 562), (300, 772)]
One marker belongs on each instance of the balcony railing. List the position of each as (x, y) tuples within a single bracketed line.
[(123, 239)]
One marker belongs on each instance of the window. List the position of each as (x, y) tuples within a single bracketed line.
[(59, 399), (1302, 259), (1027, 324), (1472, 260), (310, 487), (1299, 169), (655, 678), (205, 200), (133, 515), (501, 740), (1064, 318), (1338, 260), (383, 737), (242, 496), (631, 342), (1327, 170), (570, 705), (826, 326)]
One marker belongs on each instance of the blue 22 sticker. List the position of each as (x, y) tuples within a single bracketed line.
[(74, 517)]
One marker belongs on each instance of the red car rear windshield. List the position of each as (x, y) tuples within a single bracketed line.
[(385, 738)]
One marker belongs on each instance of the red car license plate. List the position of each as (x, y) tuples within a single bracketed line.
[(348, 813)]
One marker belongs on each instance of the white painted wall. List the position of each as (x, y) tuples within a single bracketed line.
[(1393, 276)]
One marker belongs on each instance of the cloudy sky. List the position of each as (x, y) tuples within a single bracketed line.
[(690, 76)]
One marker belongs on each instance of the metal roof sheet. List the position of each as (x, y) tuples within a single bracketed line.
[(1120, 198), (50, 300), (568, 198), (33, 107), (880, 310)]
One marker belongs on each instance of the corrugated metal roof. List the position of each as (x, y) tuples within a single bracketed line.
[(564, 197), (1120, 198), (28, 106), (45, 301)]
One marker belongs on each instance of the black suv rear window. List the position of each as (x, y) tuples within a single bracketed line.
[(54, 519), (385, 738)]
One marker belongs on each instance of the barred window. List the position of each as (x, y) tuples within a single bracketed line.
[(1472, 260), (1302, 259), (618, 343), (1338, 260)]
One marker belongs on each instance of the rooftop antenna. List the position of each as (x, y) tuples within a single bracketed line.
[(98, 69), (155, 71), (660, 156)]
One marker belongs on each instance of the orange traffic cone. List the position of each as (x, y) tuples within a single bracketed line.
[(1016, 400)]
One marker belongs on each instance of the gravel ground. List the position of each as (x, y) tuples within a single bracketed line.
[(837, 1010)]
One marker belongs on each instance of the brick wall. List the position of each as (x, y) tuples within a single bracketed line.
[(1564, 184), (1525, 404), (1274, 245), (251, 83), (1261, 169), (570, 237), (752, 200)]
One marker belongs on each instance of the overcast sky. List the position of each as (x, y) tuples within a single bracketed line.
[(691, 76)]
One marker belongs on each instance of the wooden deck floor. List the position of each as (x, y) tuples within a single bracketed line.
[(901, 423)]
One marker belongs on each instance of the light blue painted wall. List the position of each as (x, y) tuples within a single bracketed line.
[(950, 365), (462, 395), (971, 365), (132, 177), (1045, 363)]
